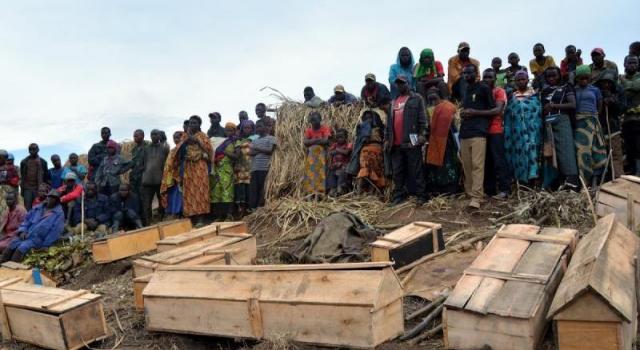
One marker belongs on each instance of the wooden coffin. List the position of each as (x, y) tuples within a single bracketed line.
[(139, 284), (595, 306), (240, 249), (408, 243), (345, 305), (12, 269), (51, 318), (174, 227), (620, 197), (503, 297), (201, 234), (123, 245)]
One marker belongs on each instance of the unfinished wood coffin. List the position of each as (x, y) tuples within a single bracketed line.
[(239, 248), (201, 234), (613, 198), (123, 245), (12, 269), (503, 297), (50, 317), (595, 305), (408, 243), (350, 305)]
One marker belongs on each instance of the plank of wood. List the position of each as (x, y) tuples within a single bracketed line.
[(501, 254), (174, 227), (83, 325), (301, 267), (576, 335), (463, 291), (588, 307), (34, 297), (139, 284), (486, 291), (506, 276), (631, 178), (540, 259), (4, 322), (36, 328), (255, 318), (536, 238), (66, 298), (124, 245)]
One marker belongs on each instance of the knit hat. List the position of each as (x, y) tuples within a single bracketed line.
[(583, 70)]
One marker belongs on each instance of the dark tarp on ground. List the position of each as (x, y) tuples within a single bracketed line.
[(340, 237)]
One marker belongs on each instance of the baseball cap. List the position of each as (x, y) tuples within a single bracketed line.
[(338, 88)]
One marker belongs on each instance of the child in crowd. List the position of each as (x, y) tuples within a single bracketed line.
[(339, 155), (367, 159), (316, 139), (242, 167), (261, 150), (43, 189)]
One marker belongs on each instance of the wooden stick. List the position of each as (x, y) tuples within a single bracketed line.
[(437, 301), (593, 209), (423, 324), (430, 333), (65, 299), (631, 218)]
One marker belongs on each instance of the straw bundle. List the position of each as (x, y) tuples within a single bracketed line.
[(126, 147), (295, 218), (288, 162)]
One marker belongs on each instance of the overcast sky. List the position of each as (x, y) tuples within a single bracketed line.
[(69, 67)]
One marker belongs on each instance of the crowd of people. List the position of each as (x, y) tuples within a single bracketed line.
[(426, 134)]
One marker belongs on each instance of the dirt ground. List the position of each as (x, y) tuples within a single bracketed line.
[(114, 282)]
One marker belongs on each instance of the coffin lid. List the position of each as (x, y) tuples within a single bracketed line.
[(363, 284), (603, 264)]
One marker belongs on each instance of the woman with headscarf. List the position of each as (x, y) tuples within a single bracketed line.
[(429, 73), (591, 151), (242, 166), (194, 163), (316, 140), (522, 130), (170, 188), (558, 101), (222, 180), (403, 66)]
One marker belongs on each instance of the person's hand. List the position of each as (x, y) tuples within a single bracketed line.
[(609, 100), (422, 140), (22, 235), (386, 146), (466, 113), (547, 108), (92, 224)]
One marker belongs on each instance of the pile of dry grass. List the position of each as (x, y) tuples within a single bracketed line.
[(287, 163), (559, 209), (295, 218), (126, 147)]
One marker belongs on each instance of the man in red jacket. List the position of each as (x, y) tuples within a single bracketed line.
[(70, 193)]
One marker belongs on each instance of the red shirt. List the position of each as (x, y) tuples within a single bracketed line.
[(495, 124), (398, 119), (321, 133), (339, 160)]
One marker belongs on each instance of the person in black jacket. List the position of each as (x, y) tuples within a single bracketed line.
[(405, 134), (34, 171), (125, 209), (374, 94)]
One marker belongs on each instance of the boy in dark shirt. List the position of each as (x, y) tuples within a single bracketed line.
[(478, 107)]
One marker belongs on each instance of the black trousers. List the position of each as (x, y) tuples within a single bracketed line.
[(147, 192), (256, 188), (496, 170), (407, 163)]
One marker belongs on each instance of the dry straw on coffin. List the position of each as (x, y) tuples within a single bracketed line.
[(288, 162)]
